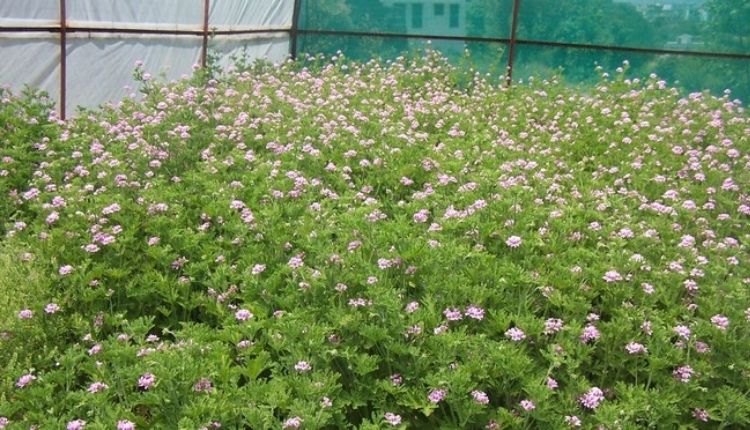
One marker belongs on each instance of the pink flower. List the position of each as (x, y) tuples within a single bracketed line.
[(292, 423), (527, 405), (480, 397), (700, 414), (384, 263), (683, 373), (647, 288), (97, 387), (682, 331), (702, 347), (76, 425), (411, 307), (592, 398), (243, 315), (302, 367), (125, 425), (203, 386), (397, 379), (552, 384), (146, 381), (296, 262), (474, 312), (590, 333), (91, 248), (52, 217), (25, 314), (553, 325), (111, 209), (572, 421), (422, 216), (635, 348), (452, 314), (513, 241), (720, 321), (392, 418), (97, 348), (65, 270), (612, 276), (25, 380), (437, 396), (515, 334)]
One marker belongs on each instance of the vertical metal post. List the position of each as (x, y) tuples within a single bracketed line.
[(63, 58), (204, 51), (512, 49), (293, 32)]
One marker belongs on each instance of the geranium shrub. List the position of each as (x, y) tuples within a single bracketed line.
[(376, 245)]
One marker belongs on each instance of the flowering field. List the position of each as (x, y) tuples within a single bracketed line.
[(376, 246)]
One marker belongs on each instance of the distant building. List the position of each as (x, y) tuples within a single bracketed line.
[(685, 41), (686, 10), (434, 17)]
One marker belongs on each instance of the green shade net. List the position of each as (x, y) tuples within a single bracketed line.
[(682, 25), (714, 26), (481, 18), (690, 73), (485, 57)]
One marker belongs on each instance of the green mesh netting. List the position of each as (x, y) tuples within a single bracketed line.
[(720, 26)]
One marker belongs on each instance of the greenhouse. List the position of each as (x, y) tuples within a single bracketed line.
[(64, 46), (374, 214)]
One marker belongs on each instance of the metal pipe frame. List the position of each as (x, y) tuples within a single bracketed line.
[(295, 31), (730, 55), (204, 50), (63, 58), (513, 41)]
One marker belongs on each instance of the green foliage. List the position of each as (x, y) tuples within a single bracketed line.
[(377, 245)]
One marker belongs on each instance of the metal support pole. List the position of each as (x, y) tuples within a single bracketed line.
[(63, 58), (512, 48), (294, 31), (204, 51)]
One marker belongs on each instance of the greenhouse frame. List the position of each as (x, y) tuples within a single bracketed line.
[(82, 52)]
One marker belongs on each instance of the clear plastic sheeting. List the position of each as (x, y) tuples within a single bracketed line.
[(29, 13), (105, 38), (136, 14), (100, 66), (239, 49), (238, 15), (31, 59)]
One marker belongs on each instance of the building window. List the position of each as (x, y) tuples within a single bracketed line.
[(399, 9), (439, 9), (453, 18), (416, 15)]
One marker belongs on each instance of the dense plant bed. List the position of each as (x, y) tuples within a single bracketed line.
[(375, 246)]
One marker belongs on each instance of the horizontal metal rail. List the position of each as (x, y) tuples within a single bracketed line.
[(573, 45), (148, 31), (301, 31)]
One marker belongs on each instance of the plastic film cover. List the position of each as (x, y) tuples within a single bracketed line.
[(100, 66)]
